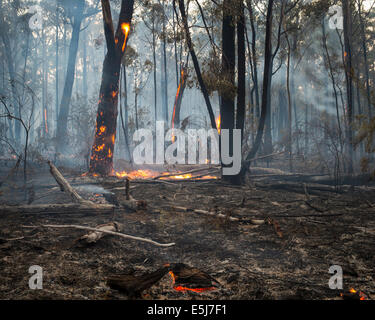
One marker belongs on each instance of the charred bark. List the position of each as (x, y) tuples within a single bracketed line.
[(349, 79), (178, 99), (105, 134), (227, 106)]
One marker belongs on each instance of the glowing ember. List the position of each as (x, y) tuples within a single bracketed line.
[(102, 129), (218, 124), (150, 174), (99, 148), (360, 294), (181, 288), (125, 27)]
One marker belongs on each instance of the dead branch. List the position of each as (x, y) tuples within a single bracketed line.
[(186, 172), (66, 187), (122, 235), (208, 213), (94, 236)]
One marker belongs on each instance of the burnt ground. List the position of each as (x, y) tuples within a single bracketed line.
[(286, 259)]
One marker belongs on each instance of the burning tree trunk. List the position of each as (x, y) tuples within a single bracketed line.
[(105, 134), (178, 100)]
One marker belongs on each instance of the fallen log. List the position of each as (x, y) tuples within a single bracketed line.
[(122, 235), (133, 285)]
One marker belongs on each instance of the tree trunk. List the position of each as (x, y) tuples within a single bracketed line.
[(178, 100), (267, 75), (365, 59), (196, 63), (228, 72), (62, 122), (105, 134), (254, 56), (349, 79), (57, 64)]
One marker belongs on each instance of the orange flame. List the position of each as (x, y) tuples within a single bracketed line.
[(99, 148), (102, 129), (181, 288), (149, 174), (218, 124), (175, 103), (125, 27), (361, 295)]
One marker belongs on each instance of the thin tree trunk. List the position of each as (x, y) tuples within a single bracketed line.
[(267, 75), (255, 59), (365, 59), (349, 78), (196, 63), (62, 122), (57, 64)]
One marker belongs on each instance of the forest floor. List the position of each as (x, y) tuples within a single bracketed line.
[(287, 257)]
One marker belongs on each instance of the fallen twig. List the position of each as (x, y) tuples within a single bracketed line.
[(126, 236), (186, 172)]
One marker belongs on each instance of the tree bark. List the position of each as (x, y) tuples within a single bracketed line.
[(228, 72), (101, 161), (349, 79)]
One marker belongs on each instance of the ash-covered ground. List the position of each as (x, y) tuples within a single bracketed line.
[(306, 231)]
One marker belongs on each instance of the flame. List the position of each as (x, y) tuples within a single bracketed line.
[(176, 99), (114, 94), (110, 153), (181, 288), (180, 177), (150, 174), (218, 124), (99, 148), (125, 27), (102, 129), (362, 295)]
